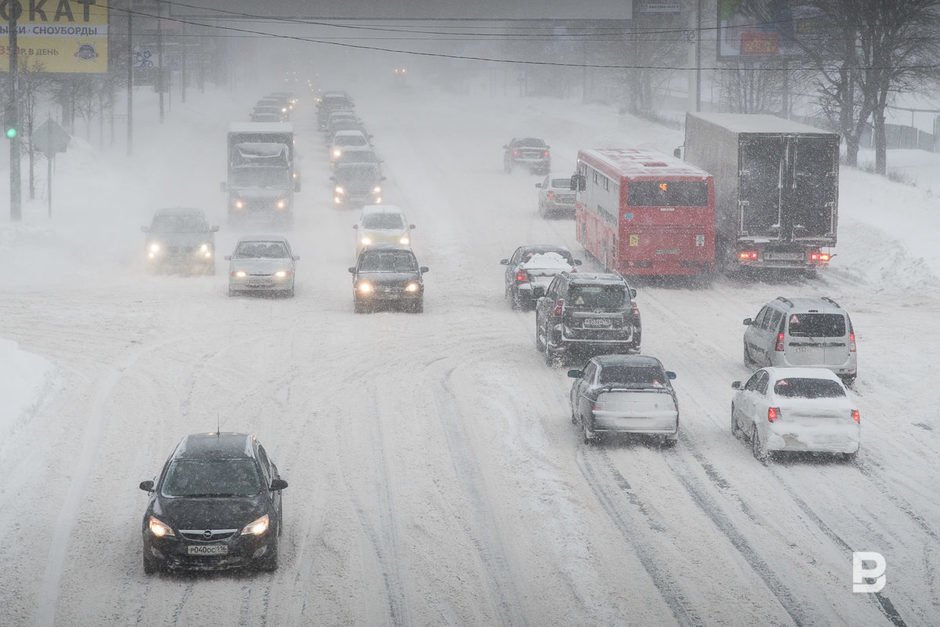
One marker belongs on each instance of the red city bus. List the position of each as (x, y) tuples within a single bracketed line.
[(640, 212)]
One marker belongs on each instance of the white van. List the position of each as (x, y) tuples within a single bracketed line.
[(802, 332)]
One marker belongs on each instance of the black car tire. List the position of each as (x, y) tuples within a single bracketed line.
[(289, 293), (539, 344), (359, 307), (735, 429), (760, 454), (588, 439), (748, 362), (269, 562), (850, 457), (151, 565), (669, 442), (418, 306)]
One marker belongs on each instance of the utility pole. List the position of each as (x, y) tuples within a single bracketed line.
[(16, 209), (160, 73), (698, 57), (183, 77), (130, 78)]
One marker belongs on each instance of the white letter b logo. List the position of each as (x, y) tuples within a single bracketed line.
[(861, 572)]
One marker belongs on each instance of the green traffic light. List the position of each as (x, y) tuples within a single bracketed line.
[(11, 133)]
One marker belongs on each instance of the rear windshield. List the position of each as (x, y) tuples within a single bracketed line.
[(217, 477), (561, 183), (667, 194), (634, 376), (597, 296), (529, 142), (808, 388), (816, 325), (388, 261), (382, 221)]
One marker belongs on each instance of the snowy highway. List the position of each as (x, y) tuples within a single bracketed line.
[(435, 477)]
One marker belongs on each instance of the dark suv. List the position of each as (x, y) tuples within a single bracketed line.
[(216, 505), (528, 152), (587, 314)]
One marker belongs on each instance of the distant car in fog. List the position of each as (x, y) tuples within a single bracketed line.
[(387, 276), (382, 224), (339, 117), (556, 198), (330, 101), (347, 140), (215, 505), (262, 264), (181, 240), (531, 269), (528, 152), (357, 184), (795, 409)]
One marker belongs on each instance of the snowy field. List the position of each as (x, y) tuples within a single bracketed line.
[(434, 475)]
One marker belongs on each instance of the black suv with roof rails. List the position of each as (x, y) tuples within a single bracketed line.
[(216, 505), (586, 314)]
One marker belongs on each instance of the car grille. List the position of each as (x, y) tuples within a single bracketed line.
[(207, 535)]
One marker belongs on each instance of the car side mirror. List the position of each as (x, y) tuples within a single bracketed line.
[(214, 228), (632, 292), (145, 229), (223, 187), (578, 262), (736, 385), (504, 262), (352, 270), (670, 375), (574, 374), (748, 322), (278, 484), (424, 269), (146, 486), (228, 257)]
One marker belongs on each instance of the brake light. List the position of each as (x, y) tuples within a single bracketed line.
[(779, 346), (546, 154), (851, 341), (819, 257), (522, 276), (773, 414), (515, 153), (559, 307), (857, 417), (747, 255), (636, 311), (550, 196)]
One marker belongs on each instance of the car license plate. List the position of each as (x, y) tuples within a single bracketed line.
[(769, 256), (207, 549), (597, 323), (257, 283)]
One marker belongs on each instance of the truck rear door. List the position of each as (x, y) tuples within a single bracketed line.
[(815, 189), (760, 175)]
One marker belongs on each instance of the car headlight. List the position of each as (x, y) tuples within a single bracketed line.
[(158, 528), (241, 274), (239, 204), (411, 287), (339, 190), (404, 241), (377, 189), (257, 527), (364, 288), (281, 203), (204, 248), (154, 247), (280, 274), (337, 152), (366, 241), (283, 109)]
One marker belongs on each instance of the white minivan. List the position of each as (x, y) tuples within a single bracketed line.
[(802, 332)]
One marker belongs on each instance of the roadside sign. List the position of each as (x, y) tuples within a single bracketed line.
[(50, 138)]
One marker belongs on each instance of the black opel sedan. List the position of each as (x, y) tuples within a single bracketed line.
[(387, 275), (216, 505)]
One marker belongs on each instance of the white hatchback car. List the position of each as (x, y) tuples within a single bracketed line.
[(382, 224), (262, 263), (795, 409), (348, 140)]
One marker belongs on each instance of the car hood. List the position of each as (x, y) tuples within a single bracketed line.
[(181, 239), (260, 193), (389, 278), (209, 513), (261, 266)]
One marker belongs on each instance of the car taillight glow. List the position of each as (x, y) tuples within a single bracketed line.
[(819, 257), (857, 417), (852, 341), (550, 196), (522, 276), (546, 154), (747, 255), (779, 346), (773, 414), (515, 153), (559, 307)]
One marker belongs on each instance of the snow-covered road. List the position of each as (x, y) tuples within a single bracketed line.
[(434, 474)]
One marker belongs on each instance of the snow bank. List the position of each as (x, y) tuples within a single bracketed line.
[(24, 378)]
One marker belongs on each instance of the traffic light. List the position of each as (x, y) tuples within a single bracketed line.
[(9, 122)]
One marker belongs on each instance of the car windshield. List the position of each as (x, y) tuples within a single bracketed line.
[(382, 221), (182, 223), (633, 376), (261, 250), (817, 325), (597, 296), (388, 261), (216, 477), (261, 177), (561, 184), (349, 140), (800, 387)]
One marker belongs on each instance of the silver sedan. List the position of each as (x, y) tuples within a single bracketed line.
[(262, 263)]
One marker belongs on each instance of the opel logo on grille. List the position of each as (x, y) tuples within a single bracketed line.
[(207, 534)]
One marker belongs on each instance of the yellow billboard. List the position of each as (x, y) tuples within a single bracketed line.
[(68, 36)]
